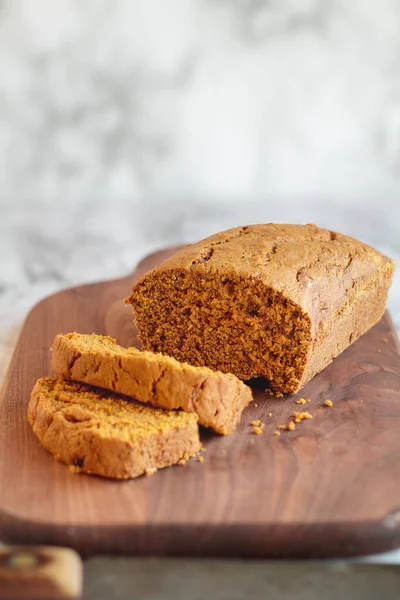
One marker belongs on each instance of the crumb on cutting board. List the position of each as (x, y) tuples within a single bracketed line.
[(301, 416), (275, 394), (276, 432), (328, 403), (74, 469), (289, 427), (258, 428), (150, 471), (301, 401)]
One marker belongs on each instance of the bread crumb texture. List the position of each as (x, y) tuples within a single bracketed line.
[(263, 301), (328, 403), (217, 398), (98, 432)]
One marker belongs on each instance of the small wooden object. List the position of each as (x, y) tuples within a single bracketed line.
[(330, 487), (39, 572)]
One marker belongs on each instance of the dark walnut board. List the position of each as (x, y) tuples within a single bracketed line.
[(329, 488)]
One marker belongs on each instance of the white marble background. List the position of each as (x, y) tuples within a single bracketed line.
[(126, 125)]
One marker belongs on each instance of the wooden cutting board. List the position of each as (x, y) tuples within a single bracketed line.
[(329, 488)]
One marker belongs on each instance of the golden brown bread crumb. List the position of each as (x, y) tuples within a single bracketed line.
[(150, 471), (217, 398), (263, 301), (269, 415), (291, 426), (200, 459), (72, 468), (276, 432), (282, 427), (301, 416), (328, 403), (99, 432), (258, 426), (301, 401), (257, 430), (255, 405)]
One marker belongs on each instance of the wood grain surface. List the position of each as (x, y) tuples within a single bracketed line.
[(329, 488)]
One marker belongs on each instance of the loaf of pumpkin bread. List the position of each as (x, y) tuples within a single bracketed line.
[(272, 301), (101, 433), (217, 398)]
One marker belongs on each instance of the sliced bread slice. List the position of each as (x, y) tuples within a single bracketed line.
[(217, 398), (101, 433)]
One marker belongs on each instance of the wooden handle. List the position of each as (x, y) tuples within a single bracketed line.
[(39, 572)]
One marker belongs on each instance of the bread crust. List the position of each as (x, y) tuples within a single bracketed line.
[(100, 433)]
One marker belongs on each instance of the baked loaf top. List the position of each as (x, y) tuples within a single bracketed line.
[(274, 301), (217, 398), (99, 432)]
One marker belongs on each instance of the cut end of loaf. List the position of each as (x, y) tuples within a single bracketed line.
[(233, 325)]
